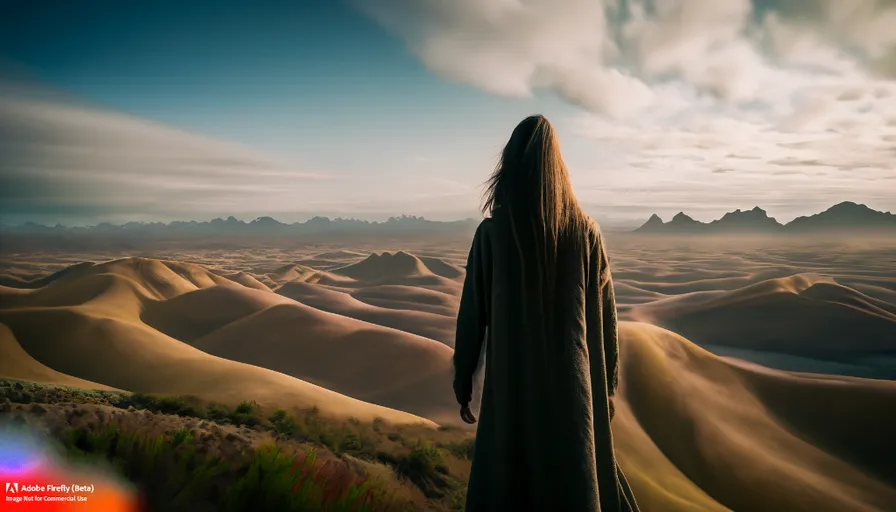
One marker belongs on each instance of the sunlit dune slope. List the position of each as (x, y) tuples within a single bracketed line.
[(91, 328), (423, 323), (359, 359), (442, 268), (288, 273), (402, 268), (70, 271), (247, 280), (805, 314), (693, 429), (410, 298), (199, 312)]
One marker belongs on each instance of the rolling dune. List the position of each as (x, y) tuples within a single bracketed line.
[(409, 298), (402, 268), (806, 315), (422, 323), (18, 364), (106, 341), (694, 431), (685, 407), (362, 360)]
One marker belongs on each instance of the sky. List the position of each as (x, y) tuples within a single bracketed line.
[(164, 110)]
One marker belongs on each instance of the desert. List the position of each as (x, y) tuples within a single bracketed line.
[(747, 363)]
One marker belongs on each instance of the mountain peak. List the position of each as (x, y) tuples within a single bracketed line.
[(682, 217), (653, 223), (848, 206), (846, 216)]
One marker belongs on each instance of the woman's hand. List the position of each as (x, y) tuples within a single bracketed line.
[(467, 415)]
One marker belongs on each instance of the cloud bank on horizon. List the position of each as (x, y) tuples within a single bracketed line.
[(778, 103)]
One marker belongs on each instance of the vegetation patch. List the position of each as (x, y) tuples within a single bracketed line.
[(184, 453)]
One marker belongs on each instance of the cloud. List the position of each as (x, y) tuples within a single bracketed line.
[(607, 55), (688, 104), (67, 159)]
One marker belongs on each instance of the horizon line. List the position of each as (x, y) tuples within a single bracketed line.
[(392, 218)]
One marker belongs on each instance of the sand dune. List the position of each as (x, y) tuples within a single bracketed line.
[(385, 266), (359, 359), (631, 294), (401, 268), (289, 273), (410, 298), (134, 357), (694, 431), (807, 315), (725, 428), (248, 280), (322, 264), (426, 324), (876, 291), (38, 282), (340, 254), (106, 341), (195, 314), (18, 364), (442, 268)]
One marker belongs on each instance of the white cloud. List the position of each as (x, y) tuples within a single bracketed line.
[(691, 103)]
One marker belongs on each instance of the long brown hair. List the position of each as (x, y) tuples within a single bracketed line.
[(531, 186)]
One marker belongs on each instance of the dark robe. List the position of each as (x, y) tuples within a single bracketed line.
[(543, 441)]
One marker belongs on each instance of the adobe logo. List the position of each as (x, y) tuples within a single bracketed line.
[(12, 488)]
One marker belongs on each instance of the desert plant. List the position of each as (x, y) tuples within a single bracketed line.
[(424, 466), (462, 449), (173, 473)]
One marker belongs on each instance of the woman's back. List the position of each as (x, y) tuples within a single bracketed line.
[(546, 303)]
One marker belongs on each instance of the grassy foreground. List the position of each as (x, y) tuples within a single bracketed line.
[(186, 454)]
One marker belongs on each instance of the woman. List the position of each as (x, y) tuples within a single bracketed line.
[(538, 287)]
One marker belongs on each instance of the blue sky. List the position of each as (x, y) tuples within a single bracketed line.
[(383, 107)]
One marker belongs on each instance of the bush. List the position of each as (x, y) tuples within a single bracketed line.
[(175, 473), (197, 463), (462, 449), (424, 466)]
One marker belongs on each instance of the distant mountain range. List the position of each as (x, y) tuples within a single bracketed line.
[(844, 217), (262, 226)]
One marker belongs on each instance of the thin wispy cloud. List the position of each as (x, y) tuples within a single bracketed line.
[(71, 159)]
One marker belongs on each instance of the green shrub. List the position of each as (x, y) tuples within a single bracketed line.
[(174, 473), (462, 449), (424, 466)]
